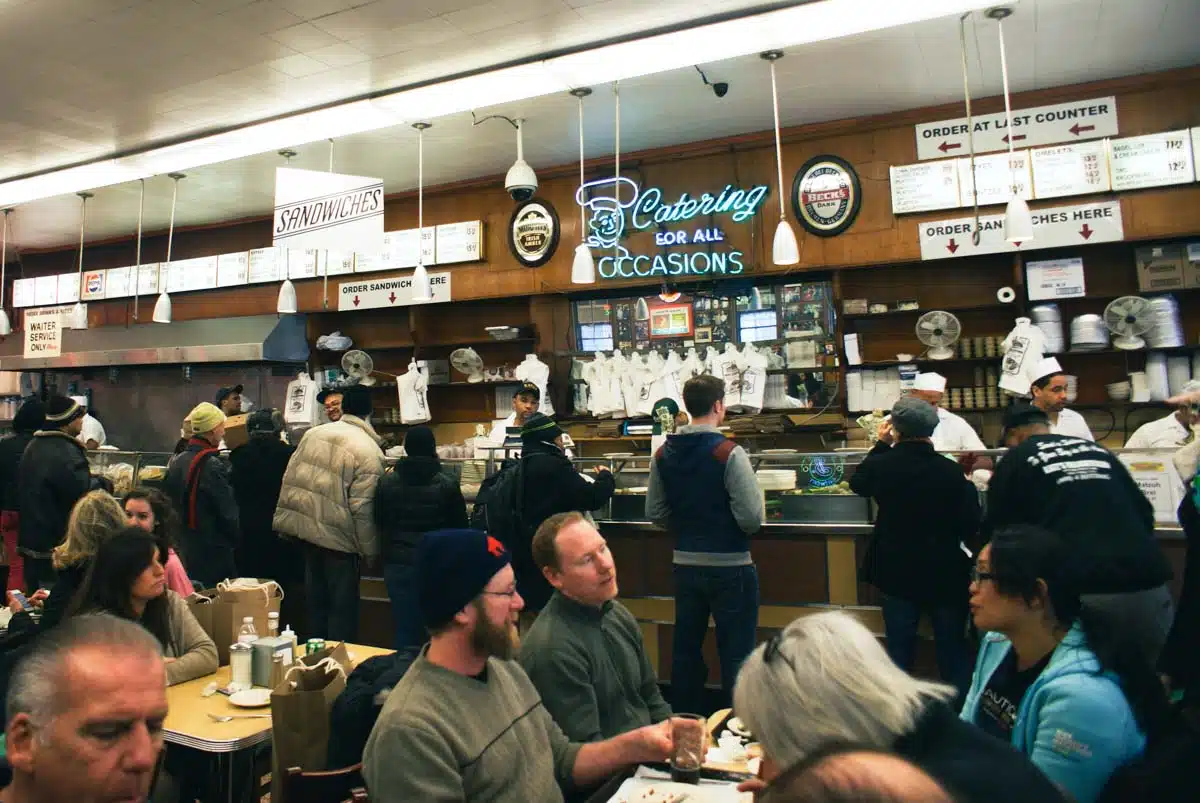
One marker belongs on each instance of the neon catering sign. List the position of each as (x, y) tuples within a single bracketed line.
[(615, 204)]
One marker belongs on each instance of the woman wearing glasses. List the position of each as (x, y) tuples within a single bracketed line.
[(1049, 678), (825, 682)]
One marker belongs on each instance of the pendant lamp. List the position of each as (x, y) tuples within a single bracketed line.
[(5, 323), (286, 303), (1018, 223), (77, 318), (784, 248), (422, 292), (162, 307), (583, 267)]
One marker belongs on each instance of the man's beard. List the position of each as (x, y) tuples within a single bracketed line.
[(492, 640)]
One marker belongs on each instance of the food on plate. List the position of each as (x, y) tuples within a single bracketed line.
[(737, 726)]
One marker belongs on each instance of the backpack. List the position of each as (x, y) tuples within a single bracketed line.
[(499, 506)]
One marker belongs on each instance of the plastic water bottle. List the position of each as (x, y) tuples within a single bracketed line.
[(247, 635)]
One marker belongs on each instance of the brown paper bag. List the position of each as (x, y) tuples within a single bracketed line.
[(300, 707), (337, 652), (232, 604), (201, 606)]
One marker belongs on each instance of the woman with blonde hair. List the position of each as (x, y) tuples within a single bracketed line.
[(825, 681), (96, 517)]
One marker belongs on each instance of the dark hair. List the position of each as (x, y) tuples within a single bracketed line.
[(545, 540), (166, 520), (30, 416), (356, 401), (818, 778), (701, 394), (1041, 384), (110, 578), (1020, 557)]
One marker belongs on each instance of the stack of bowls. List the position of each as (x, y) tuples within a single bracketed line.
[(1047, 318), (1088, 333), (1166, 331)]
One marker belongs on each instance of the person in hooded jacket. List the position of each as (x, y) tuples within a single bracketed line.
[(257, 473), (30, 417), (53, 475), (415, 498)]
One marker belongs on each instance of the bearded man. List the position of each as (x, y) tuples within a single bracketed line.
[(465, 722)]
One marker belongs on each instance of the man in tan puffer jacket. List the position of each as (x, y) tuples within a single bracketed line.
[(327, 502)]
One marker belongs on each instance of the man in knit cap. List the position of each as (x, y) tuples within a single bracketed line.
[(53, 475), (465, 722), (198, 483)]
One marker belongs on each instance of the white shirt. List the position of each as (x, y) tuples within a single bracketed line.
[(1161, 434), (1071, 423), (954, 434), (412, 388), (92, 430)]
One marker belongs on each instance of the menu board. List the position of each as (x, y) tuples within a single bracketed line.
[(337, 263), (94, 282), (1196, 151), (1080, 168), (924, 187), (45, 291), (1153, 160), (68, 288), (459, 242), (301, 264), (173, 273), (994, 178), (429, 245), (23, 293), (402, 247), (149, 277), (199, 273), (263, 265), (117, 283), (232, 269), (369, 263)]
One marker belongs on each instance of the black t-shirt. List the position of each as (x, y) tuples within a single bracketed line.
[(1002, 696)]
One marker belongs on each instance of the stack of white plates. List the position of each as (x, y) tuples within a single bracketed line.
[(770, 479), (1047, 318), (1179, 373), (1156, 376), (1167, 331), (1088, 333)]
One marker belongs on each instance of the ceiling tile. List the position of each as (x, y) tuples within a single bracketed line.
[(304, 37), (261, 16), (339, 55), (311, 9), (385, 42), (299, 66), (358, 22), (503, 13)]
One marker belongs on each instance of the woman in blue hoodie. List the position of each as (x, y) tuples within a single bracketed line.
[(1048, 678)]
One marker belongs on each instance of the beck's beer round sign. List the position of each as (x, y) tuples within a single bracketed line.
[(826, 195)]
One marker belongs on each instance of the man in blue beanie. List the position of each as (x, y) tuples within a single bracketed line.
[(465, 722)]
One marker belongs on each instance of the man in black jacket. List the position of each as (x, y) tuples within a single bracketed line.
[(550, 484), (1080, 490), (198, 483), (927, 511), (415, 498), (30, 417), (53, 475)]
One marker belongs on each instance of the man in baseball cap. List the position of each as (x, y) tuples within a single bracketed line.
[(331, 399), (229, 399), (465, 696)]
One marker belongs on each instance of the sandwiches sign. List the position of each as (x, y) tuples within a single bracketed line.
[(334, 211)]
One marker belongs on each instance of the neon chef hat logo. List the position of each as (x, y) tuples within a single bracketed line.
[(607, 223)]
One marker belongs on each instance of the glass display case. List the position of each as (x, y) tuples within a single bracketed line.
[(121, 468)]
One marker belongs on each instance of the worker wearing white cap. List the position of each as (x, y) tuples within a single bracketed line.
[(1050, 396), (1169, 432), (953, 433), (92, 436)]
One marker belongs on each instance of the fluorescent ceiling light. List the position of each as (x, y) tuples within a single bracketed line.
[(784, 28)]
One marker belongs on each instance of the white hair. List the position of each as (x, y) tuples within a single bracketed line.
[(828, 681)]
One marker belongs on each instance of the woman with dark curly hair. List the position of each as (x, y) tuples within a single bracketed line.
[(153, 512)]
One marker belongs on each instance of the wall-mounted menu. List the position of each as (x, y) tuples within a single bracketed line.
[(68, 288), (925, 187), (1080, 168), (22, 293), (263, 265), (45, 291), (174, 273), (1196, 151), (460, 242), (148, 279), (994, 178), (117, 283), (337, 263), (1153, 160), (233, 269), (301, 264), (200, 273)]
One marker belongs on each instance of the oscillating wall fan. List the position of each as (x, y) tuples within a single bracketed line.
[(939, 330), (359, 366), (468, 361), (1128, 318)]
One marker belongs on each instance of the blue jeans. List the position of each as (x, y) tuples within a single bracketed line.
[(730, 595), (331, 582), (401, 582), (900, 620)]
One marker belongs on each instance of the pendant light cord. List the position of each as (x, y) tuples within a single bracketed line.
[(330, 155), (582, 224), (170, 233), (617, 151), (4, 259), (82, 230), (421, 197), (962, 49), (778, 142), (137, 268), (1007, 106)]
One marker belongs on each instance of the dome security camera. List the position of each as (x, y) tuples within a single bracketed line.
[(720, 89), (521, 182)]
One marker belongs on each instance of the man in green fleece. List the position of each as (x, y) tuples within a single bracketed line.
[(584, 653), (465, 723)]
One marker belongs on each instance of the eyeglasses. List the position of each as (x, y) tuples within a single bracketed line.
[(978, 576), (512, 592)]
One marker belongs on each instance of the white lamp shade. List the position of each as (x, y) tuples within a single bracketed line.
[(785, 250), (162, 308), (78, 317), (421, 289), (583, 268), (286, 305), (1018, 223), (5, 324)]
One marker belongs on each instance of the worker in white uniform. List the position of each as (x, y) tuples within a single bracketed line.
[(525, 402), (1170, 432), (1050, 396), (953, 433), (92, 435)]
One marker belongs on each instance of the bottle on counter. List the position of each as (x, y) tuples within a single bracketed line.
[(247, 634), (241, 665), (272, 624), (288, 633)]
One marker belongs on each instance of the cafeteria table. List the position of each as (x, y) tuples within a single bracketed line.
[(188, 722)]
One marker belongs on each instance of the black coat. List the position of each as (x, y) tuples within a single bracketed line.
[(1180, 657), (415, 498), (256, 476), (54, 474), (550, 485), (11, 448), (926, 509), (212, 534), (355, 710)]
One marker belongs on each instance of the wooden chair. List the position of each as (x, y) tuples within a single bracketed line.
[(331, 786)]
